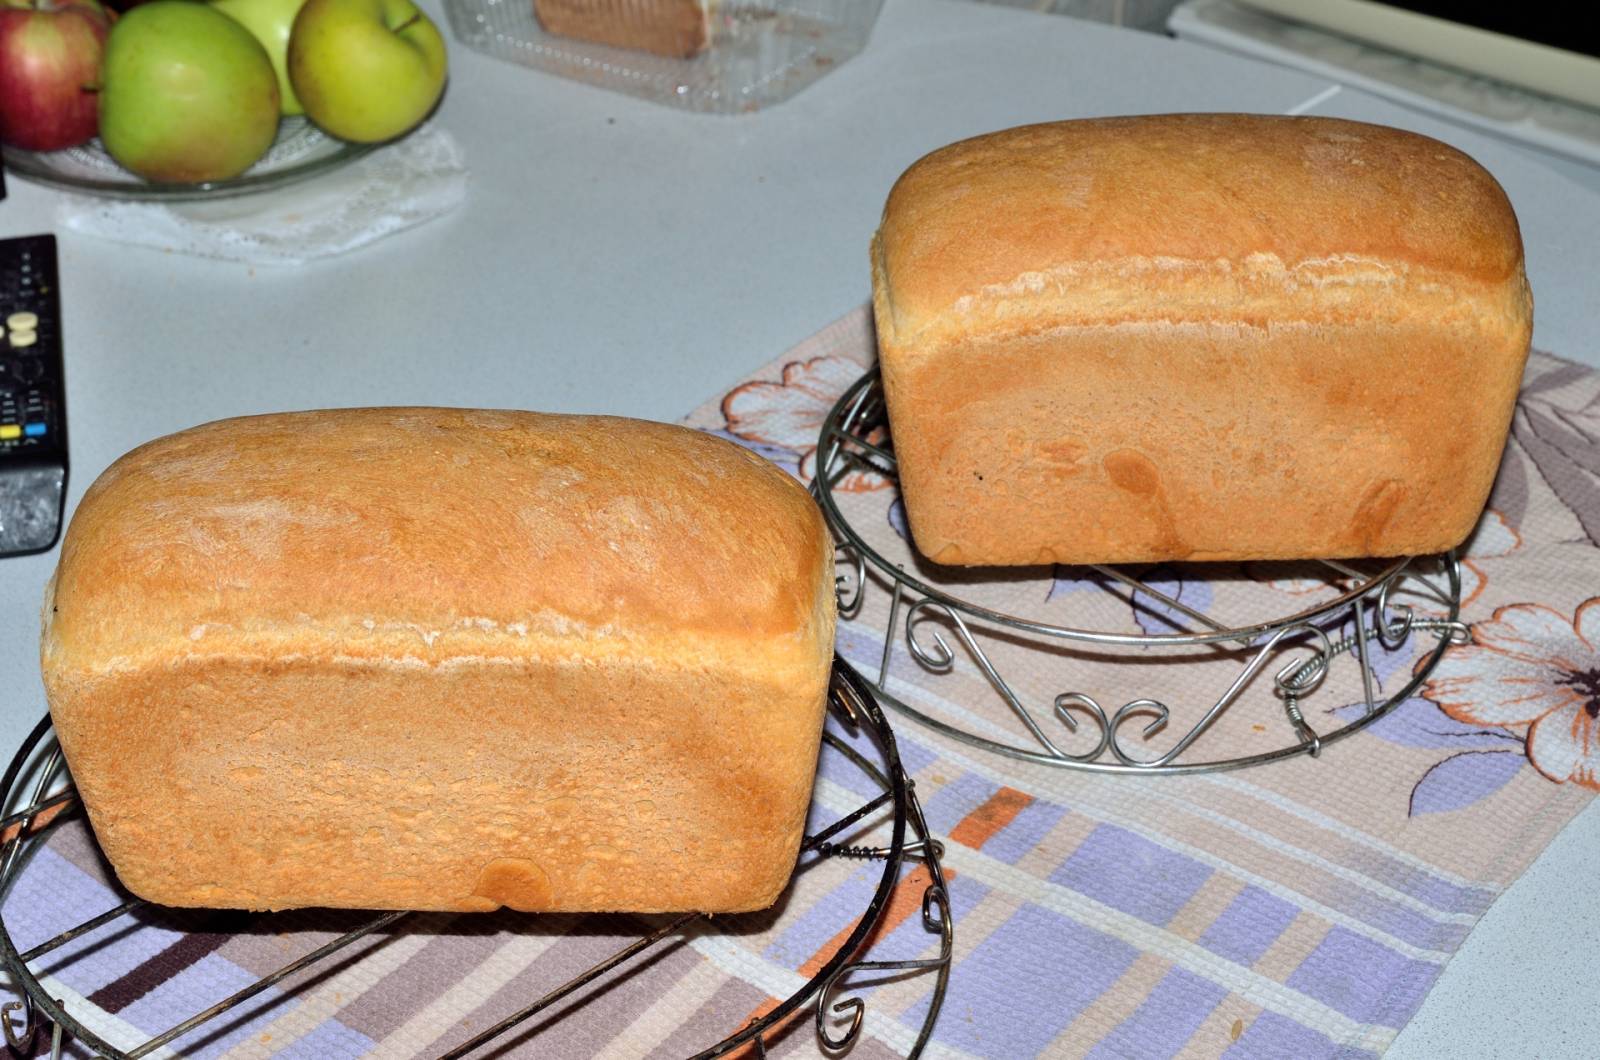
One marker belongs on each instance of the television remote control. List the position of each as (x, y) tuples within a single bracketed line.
[(33, 414)]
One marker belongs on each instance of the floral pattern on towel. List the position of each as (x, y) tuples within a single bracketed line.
[(786, 417), (1530, 665)]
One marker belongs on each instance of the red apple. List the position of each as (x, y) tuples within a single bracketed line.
[(49, 71)]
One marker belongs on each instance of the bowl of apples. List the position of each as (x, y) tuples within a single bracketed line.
[(182, 99)]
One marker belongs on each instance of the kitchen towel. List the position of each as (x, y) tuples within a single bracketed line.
[(1302, 908)]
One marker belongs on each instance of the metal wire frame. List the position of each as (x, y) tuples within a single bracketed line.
[(850, 698), (854, 438)]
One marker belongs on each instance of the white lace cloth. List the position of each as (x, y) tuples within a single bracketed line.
[(392, 189)]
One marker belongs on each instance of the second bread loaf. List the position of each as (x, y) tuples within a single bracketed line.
[(1197, 336), (443, 659)]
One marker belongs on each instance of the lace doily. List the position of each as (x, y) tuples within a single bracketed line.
[(392, 189)]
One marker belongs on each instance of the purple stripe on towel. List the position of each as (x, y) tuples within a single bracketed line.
[(947, 807), (1025, 832), (911, 939), (1251, 923), (1021, 986), (202, 984), (1130, 873), (1364, 979), (53, 895), (1165, 1020), (806, 931)]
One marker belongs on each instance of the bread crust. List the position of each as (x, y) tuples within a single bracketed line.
[(443, 659), (1197, 337)]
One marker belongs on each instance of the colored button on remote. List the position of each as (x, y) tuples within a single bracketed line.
[(9, 431), (34, 430)]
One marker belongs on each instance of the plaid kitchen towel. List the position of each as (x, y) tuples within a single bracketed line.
[(1302, 908)]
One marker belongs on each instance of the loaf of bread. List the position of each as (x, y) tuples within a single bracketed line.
[(677, 29), (1197, 336), (443, 659)]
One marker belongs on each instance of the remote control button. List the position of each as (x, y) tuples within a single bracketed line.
[(21, 339), (9, 431), (23, 321), (34, 430)]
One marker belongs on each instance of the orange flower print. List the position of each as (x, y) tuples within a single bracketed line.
[(1529, 665), (788, 415)]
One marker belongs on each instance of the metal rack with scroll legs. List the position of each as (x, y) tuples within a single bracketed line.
[(1360, 612)]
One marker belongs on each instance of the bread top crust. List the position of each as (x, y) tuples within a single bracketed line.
[(427, 536), (1192, 218)]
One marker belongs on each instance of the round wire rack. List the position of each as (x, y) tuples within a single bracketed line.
[(886, 828), (1123, 624)]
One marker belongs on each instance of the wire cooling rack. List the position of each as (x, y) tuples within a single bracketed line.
[(888, 828), (1334, 611)]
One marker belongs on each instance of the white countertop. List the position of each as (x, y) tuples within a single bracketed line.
[(617, 256)]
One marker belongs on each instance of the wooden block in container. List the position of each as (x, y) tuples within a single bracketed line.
[(676, 29)]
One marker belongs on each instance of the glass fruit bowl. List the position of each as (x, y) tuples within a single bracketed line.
[(300, 152)]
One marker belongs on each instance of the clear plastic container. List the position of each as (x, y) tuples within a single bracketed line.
[(759, 52)]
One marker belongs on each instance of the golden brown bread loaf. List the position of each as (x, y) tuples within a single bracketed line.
[(1197, 337), (677, 29), (443, 659)]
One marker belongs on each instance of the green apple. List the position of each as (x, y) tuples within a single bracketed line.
[(270, 21), (366, 70), (187, 94)]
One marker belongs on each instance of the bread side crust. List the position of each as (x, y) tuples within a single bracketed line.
[(1145, 443), (585, 786)]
